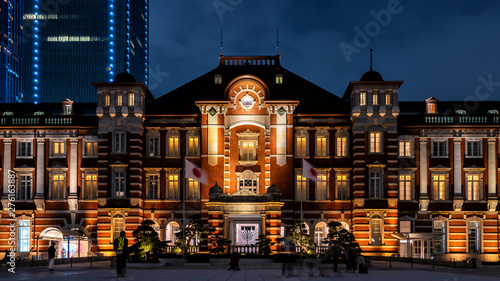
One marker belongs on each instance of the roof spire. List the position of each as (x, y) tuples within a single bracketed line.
[(371, 54), (125, 60), (277, 42), (221, 43)]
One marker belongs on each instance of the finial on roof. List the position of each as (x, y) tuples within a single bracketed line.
[(221, 43), (125, 60), (371, 55), (277, 42)]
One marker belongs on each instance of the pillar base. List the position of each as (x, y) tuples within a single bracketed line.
[(492, 204), (423, 204), (457, 204)]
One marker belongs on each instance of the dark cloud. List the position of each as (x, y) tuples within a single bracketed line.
[(439, 48)]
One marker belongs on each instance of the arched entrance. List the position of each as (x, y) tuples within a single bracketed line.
[(69, 243)]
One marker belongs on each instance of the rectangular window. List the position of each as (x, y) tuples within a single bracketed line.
[(342, 146), (301, 146), (279, 78), (173, 146), (193, 146), (321, 146), (218, 79), (375, 142), (322, 187), (58, 148), (154, 149), (119, 184), (376, 224), (376, 184), (474, 237), (248, 151), (90, 191), (301, 192), (131, 99), (405, 149), (119, 100), (24, 236), (405, 187), (120, 142), (106, 100), (474, 148), (173, 187), (431, 108), (439, 187), (153, 187), (193, 189), (439, 148), (375, 99), (439, 246), (473, 187), (24, 149), (90, 148), (67, 109), (342, 187), (362, 98), (24, 187), (58, 187), (388, 99)]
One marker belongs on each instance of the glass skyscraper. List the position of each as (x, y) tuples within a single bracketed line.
[(76, 42), (10, 51)]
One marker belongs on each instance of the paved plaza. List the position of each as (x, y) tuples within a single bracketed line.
[(379, 271)]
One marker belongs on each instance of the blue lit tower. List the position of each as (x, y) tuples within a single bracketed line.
[(10, 51), (77, 42)]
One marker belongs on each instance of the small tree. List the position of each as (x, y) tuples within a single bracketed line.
[(220, 244), (339, 239), (194, 229), (147, 241), (304, 241), (264, 244)]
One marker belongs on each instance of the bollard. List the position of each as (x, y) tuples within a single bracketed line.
[(433, 262), (90, 261), (390, 262), (411, 261), (71, 262), (32, 261)]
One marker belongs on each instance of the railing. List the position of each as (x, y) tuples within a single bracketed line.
[(21, 121), (251, 249), (461, 119), (249, 60)]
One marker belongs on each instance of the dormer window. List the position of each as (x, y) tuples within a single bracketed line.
[(431, 105), (218, 79), (38, 113), (67, 107), (492, 111), (460, 111), (279, 78), (8, 113)]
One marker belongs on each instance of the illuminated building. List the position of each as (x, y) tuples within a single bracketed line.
[(394, 173), (70, 44)]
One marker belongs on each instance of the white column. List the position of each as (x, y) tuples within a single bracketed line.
[(40, 167), (492, 179), (213, 137), (423, 167), (457, 167), (73, 168), (7, 158), (281, 137)]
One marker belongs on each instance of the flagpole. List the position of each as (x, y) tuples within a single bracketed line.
[(184, 212), (301, 216)]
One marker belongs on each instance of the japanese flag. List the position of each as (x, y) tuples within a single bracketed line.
[(195, 173), (308, 171)]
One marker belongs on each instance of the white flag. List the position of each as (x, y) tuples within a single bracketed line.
[(308, 171), (195, 173)]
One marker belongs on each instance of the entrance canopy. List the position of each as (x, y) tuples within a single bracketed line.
[(413, 236), (52, 233)]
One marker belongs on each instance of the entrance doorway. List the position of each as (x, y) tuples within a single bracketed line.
[(246, 234)]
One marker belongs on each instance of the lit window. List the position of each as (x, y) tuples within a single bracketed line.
[(120, 142), (119, 100), (193, 146), (106, 100), (301, 145), (375, 99), (193, 189), (301, 187), (173, 186), (321, 146), (320, 233), (439, 148), (341, 146), (173, 146), (58, 187), (474, 148), (376, 184), (67, 109), (440, 240), (119, 184), (131, 99), (153, 187), (248, 181), (118, 225), (474, 237), (24, 236), (473, 184), (248, 151), (375, 142), (388, 99), (218, 79), (90, 191), (58, 148), (362, 98), (431, 108), (24, 148), (376, 230), (322, 186), (154, 149), (405, 149), (90, 148), (279, 78), (439, 186), (342, 186), (24, 192), (405, 187)]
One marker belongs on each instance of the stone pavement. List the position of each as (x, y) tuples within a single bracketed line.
[(379, 271)]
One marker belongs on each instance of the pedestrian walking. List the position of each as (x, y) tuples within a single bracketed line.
[(121, 248), (52, 255)]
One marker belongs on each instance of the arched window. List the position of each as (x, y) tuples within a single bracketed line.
[(320, 233), (118, 225), (248, 180), (172, 229), (376, 230)]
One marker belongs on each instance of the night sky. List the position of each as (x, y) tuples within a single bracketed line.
[(446, 49)]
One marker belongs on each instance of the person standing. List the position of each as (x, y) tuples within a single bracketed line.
[(52, 255), (121, 248)]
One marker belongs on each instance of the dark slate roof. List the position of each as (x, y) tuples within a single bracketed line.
[(124, 77), (371, 76), (312, 98)]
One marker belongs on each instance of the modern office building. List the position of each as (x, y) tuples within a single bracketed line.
[(415, 179), (11, 14), (74, 43)]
